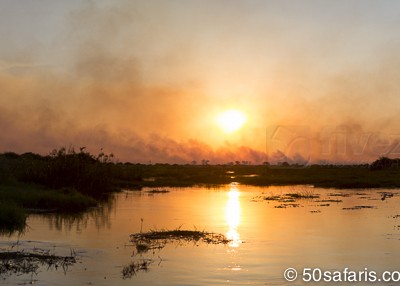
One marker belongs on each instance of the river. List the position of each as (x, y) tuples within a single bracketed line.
[(324, 229)]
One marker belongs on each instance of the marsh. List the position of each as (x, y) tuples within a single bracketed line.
[(326, 228)]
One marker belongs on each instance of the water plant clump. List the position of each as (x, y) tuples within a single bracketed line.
[(21, 262), (135, 266), (157, 191), (152, 240), (360, 207), (291, 197), (158, 239), (301, 195)]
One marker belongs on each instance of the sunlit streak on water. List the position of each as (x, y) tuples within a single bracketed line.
[(232, 214)]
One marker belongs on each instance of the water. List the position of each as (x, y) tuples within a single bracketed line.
[(268, 236)]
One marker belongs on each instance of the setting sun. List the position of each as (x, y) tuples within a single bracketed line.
[(231, 120)]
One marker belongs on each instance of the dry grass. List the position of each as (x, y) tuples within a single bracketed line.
[(21, 262), (131, 269), (155, 239)]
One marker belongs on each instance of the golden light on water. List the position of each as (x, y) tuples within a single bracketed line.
[(231, 120), (232, 214)]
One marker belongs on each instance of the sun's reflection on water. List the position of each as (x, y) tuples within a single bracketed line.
[(232, 214)]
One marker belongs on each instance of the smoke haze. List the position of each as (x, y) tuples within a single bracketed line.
[(146, 79)]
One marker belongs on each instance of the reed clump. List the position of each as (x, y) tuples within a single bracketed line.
[(158, 239), (87, 173), (22, 262), (135, 266), (64, 181)]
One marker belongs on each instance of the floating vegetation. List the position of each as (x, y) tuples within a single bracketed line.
[(284, 206), (131, 269), (329, 201), (272, 198), (303, 195), (360, 207), (289, 200), (157, 240), (21, 262), (156, 191), (339, 195), (291, 197)]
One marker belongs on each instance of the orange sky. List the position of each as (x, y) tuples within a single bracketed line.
[(147, 79)]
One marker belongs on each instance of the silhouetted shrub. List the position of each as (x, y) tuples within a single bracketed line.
[(385, 163)]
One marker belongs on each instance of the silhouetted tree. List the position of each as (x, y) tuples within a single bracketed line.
[(382, 163)]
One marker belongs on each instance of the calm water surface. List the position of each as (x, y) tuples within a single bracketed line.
[(340, 228)]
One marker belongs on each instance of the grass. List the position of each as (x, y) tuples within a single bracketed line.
[(98, 175), (178, 234), (302, 193), (64, 181), (156, 191), (88, 174), (156, 240), (22, 262), (71, 181), (347, 177), (290, 197), (325, 176), (34, 198), (135, 266), (17, 201)]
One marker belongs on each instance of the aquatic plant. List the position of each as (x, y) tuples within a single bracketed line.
[(23, 262), (155, 238), (303, 193), (135, 266), (158, 191)]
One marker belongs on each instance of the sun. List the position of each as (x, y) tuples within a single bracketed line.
[(231, 120)]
